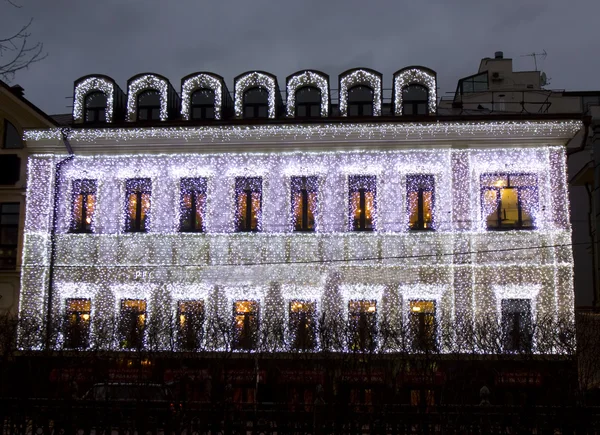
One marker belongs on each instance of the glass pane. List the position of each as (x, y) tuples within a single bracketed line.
[(11, 208), (355, 210), (248, 203), (155, 113), (422, 109), (249, 112), (367, 109), (427, 209), (210, 112), (490, 207), (132, 206), (256, 96), (203, 96), (360, 94), (302, 324), (353, 110), (9, 236), (197, 113), (9, 219), (301, 111), (12, 138), (263, 112), (369, 209), (413, 209), (101, 115), (315, 111), (407, 108), (95, 100), (149, 99), (509, 212), (414, 92), (308, 94), (145, 211)]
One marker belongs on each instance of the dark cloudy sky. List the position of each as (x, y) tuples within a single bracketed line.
[(177, 37)]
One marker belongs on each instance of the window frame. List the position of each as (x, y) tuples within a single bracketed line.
[(415, 103), (196, 186), (422, 341), (255, 106), (95, 110), (8, 124), (187, 340), (246, 186), (360, 104), (137, 222), (518, 335), (298, 341), (308, 106), (134, 337), (79, 193), (422, 180), (11, 264), (203, 107), (519, 189), (246, 339), (83, 340), (148, 109), (359, 339), (304, 185), (361, 180)]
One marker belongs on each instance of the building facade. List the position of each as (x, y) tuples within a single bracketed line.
[(205, 222)]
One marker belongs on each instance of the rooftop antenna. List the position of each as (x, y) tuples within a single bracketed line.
[(535, 56)]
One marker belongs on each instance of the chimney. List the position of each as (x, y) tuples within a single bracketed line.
[(17, 90), (498, 55)]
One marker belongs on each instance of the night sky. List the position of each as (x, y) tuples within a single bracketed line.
[(178, 37)]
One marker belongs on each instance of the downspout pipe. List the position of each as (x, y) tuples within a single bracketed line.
[(587, 120), (57, 177)]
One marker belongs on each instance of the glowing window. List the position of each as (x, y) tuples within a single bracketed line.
[(203, 104), (516, 324), (509, 200), (95, 107), (77, 323), (304, 203), (84, 206), (302, 327), (190, 321), (245, 315), (148, 105), (248, 198), (423, 324), (308, 102), (362, 316), (137, 208), (420, 201), (132, 323), (360, 101), (362, 202), (192, 205), (415, 100), (256, 103)]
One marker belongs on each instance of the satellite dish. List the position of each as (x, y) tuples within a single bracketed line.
[(543, 79)]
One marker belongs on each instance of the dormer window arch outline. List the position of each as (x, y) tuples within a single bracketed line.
[(357, 77), (198, 81), (415, 75), (307, 78), (87, 85), (147, 82), (255, 79)]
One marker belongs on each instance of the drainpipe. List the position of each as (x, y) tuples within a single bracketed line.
[(57, 177)]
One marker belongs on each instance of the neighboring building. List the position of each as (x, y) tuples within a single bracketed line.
[(16, 114), (206, 223)]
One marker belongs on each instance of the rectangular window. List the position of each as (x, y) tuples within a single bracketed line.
[(516, 324), (362, 316), (190, 322), (248, 199), (84, 206), (508, 201), (77, 323), (302, 322), (420, 201), (192, 205), (246, 324), (304, 203), (423, 324), (362, 202), (9, 234), (137, 194), (132, 323)]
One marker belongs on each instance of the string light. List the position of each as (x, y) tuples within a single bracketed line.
[(417, 76), (144, 83), (360, 77), (250, 80), (85, 87), (307, 78), (201, 81)]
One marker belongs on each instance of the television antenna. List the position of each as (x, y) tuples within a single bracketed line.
[(535, 56)]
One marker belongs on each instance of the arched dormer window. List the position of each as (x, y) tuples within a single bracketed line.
[(148, 105), (203, 104), (415, 100), (256, 103), (419, 84), (361, 88), (360, 101), (95, 107), (308, 102)]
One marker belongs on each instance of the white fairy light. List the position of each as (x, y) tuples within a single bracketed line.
[(307, 78), (391, 263), (201, 81), (250, 80), (360, 77), (417, 76), (369, 131), (92, 84), (144, 83)]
